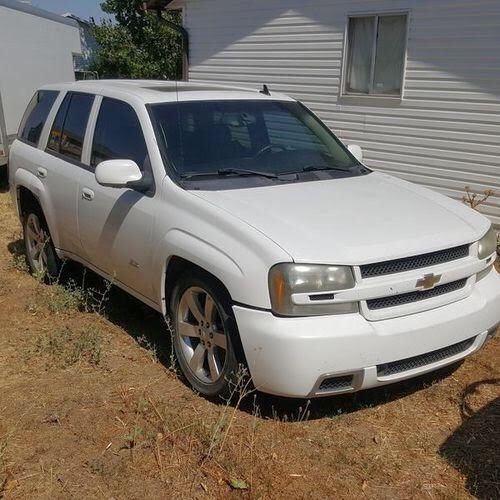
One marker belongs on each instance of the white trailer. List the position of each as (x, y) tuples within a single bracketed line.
[(36, 48)]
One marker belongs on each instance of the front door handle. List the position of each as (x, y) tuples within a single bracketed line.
[(41, 172), (87, 194)]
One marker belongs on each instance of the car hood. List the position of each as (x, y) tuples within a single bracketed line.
[(355, 220)]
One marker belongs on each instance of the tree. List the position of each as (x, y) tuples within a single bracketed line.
[(138, 44)]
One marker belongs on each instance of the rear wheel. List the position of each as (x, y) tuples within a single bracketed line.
[(205, 334), (40, 252)]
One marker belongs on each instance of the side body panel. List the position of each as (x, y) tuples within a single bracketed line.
[(116, 228), (25, 161)]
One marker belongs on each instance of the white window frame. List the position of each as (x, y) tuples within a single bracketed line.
[(345, 63)]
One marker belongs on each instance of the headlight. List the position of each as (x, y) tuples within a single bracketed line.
[(487, 244), (309, 290)]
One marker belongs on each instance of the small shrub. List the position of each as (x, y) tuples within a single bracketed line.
[(133, 437), (475, 200), (88, 346), (19, 263), (241, 388), (66, 299), (70, 298), (66, 348), (150, 347)]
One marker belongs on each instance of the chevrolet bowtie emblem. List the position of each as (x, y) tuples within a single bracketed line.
[(429, 281)]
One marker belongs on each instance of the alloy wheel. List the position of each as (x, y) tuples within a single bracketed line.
[(37, 244), (201, 335)]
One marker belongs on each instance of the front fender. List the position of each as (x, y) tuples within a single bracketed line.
[(237, 254), (193, 249), (244, 273), (24, 178)]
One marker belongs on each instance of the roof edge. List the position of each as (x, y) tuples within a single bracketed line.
[(36, 11)]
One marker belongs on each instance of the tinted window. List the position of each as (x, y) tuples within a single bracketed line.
[(118, 134), (57, 127), (267, 136), (68, 131), (36, 115), (286, 130)]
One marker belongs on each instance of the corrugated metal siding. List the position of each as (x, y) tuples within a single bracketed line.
[(444, 134)]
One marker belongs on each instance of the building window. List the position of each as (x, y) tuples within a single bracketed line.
[(376, 54)]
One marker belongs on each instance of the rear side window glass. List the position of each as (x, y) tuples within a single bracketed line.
[(57, 127), (118, 134), (35, 116), (68, 130)]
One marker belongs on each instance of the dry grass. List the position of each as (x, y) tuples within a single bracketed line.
[(66, 347), (3, 466), (91, 407)]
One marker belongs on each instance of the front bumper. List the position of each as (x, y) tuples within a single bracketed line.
[(294, 356)]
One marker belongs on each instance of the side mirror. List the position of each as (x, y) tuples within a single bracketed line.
[(356, 151), (118, 173)]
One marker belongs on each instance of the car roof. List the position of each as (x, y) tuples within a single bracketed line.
[(158, 91)]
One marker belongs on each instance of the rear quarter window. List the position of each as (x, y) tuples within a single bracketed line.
[(35, 116)]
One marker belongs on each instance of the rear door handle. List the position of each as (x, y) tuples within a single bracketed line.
[(87, 194), (41, 172)]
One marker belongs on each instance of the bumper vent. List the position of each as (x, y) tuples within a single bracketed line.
[(404, 365), (417, 262), (336, 384), (408, 298)]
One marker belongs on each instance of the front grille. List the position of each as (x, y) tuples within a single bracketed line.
[(404, 365), (408, 298), (336, 383), (416, 262)]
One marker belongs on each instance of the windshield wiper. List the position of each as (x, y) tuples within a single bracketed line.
[(244, 171), (319, 168), (229, 171)]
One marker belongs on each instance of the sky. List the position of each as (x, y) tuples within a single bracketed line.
[(81, 8)]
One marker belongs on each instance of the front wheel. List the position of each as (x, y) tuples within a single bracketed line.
[(205, 335)]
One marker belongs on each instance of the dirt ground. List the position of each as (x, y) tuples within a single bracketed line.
[(90, 407)]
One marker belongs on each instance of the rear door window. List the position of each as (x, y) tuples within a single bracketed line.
[(118, 134), (57, 127), (35, 116), (68, 131)]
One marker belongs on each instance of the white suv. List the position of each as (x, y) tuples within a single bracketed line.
[(241, 216)]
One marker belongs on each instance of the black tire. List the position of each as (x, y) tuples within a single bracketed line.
[(49, 272), (232, 369)]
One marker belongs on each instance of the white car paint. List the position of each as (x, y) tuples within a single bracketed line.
[(351, 221), (117, 173), (238, 235)]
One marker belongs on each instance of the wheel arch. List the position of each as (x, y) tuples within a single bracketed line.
[(175, 267), (26, 200), (180, 250), (29, 190)]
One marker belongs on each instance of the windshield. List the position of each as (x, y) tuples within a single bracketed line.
[(275, 137)]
